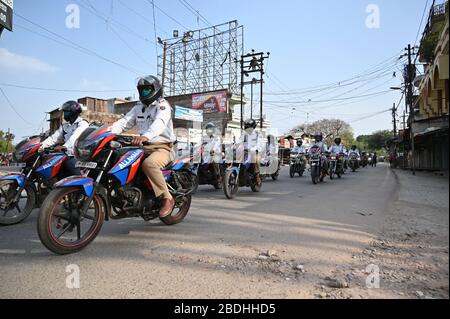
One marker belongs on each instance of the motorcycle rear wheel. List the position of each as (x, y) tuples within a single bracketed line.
[(22, 213), (182, 205)]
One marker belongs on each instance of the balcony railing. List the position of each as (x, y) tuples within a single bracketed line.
[(437, 13)]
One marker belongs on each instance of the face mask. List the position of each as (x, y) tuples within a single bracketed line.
[(67, 116), (210, 132)]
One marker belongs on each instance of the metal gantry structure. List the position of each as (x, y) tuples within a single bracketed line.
[(203, 60)]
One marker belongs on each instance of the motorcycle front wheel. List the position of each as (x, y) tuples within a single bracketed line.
[(315, 175), (15, 213), (230, 184), (61, 229)]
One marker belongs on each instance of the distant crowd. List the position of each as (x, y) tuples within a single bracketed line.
[(5, 160)]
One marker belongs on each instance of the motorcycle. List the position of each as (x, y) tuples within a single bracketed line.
[(207, 174), (73, 213), (297, 164), (317, 165), (238, 174), (353, 162), (364, 160), (270, 167), (336, 165), (21, 192)]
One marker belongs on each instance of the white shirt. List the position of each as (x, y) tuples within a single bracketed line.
[(212, 144), (337, 149), (68, 134), (298, 149), (154, 122)]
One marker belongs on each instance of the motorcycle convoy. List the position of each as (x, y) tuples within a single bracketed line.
[(101, 179)]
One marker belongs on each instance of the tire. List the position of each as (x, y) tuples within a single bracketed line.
[(46, 215), (184, 206), (25, 211), (196, 182), (314, 175), (331, 173), (230, 190), (275, 176), (292, 171), (256, 188)]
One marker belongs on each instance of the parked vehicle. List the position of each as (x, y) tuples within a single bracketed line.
[(297, 164), (73, 213), (240, 174), (317, 165), (21, 192), (336, 165)]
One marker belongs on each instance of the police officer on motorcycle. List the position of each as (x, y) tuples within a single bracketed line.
[(65, 137), (252, 141), (153, 116), (212, 148)]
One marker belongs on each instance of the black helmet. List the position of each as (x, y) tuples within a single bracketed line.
[(211, 128), (354, 147), (338, 140), (318, 137), (250, 123), (299, 142), (149, 88), (71, 110)]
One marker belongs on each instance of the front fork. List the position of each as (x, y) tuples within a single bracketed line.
[(27, 177), (88, 202)]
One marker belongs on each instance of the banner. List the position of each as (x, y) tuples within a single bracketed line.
[(182, 113), (6, 14), (214, 102)]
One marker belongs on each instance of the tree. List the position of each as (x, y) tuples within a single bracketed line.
[(330, 128), (6, 140), (373, 142)]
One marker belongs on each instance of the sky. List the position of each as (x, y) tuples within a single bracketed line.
[(311, 44)]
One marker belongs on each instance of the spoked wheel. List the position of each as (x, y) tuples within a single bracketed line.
[(61, 228), (12, 212), (230, 184), (180, 210)]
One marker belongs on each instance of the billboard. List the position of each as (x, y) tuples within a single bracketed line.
[(6, 14), (182, 113), (213, 102)]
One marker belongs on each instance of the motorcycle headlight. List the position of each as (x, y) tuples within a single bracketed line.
[(333, 157), (359, 158)]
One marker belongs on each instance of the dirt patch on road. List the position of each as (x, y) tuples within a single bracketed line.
[(411, 256)]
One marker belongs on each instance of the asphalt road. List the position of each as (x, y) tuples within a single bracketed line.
[(214, 252)]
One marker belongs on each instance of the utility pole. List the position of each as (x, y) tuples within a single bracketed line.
[(253, 63), (394, 119), (409, 99)]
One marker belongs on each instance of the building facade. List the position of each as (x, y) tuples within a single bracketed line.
[(431, 102)]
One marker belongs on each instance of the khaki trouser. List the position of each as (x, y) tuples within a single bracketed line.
[(159, 156)]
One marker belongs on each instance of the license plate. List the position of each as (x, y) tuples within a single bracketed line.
[(90, 165)]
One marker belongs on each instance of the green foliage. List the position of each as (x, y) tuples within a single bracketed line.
[(4, 137), (429, 43), (375, 142)]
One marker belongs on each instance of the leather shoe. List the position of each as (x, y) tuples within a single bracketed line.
[(167, 207)]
